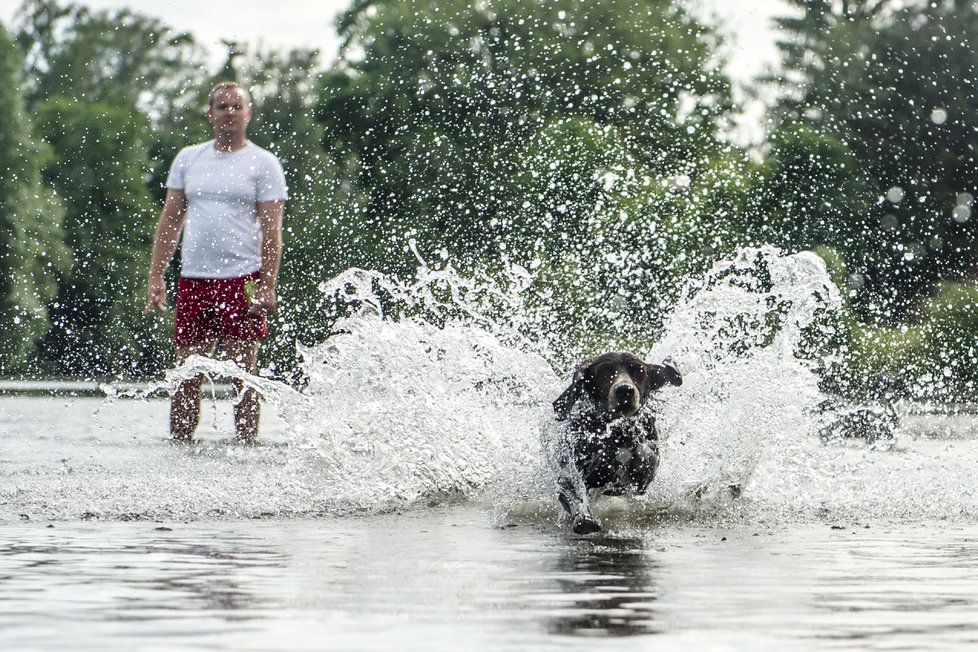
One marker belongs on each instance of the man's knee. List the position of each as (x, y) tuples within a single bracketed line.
[(191, 386), (242, 353)]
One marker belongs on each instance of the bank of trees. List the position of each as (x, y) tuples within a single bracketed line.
[(586, 142), (892, 85)]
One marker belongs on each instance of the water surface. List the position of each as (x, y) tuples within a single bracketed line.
[(83, 568), (403, 499)]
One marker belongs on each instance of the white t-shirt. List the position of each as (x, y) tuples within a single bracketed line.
[(222, 236)]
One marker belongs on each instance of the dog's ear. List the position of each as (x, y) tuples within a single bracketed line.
[(664, 374), (564, 402)]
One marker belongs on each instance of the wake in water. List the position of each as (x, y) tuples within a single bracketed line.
[(441, 389)]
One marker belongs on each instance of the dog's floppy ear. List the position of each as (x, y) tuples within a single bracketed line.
[(564, 402), (665, 374)]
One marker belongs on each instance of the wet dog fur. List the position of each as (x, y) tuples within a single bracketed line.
[(610, 444)]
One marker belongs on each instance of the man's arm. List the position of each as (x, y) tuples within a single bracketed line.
[(172, 219), (270, 221)]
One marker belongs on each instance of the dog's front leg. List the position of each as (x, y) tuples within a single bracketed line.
[(577, 505), (643, 465), (571, 485), (572, 494)]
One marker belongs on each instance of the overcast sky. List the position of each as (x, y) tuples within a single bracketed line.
[(309, 23), (290, 23)]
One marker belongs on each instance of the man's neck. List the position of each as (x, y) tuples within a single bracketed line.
[(227, 143)]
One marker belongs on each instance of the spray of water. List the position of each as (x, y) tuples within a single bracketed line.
[(440, 389)]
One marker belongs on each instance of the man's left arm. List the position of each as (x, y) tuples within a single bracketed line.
[(270, 221)]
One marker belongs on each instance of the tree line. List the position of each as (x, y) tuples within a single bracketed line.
[(586, 142)]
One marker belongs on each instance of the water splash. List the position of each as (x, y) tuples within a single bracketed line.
[(440, 389), (749, 394)]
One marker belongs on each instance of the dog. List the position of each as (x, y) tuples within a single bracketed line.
[(610, 444)]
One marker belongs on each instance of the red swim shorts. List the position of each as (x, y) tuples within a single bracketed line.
[(211, 309)]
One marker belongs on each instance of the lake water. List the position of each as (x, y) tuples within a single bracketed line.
[(112, 538), (403, 499)]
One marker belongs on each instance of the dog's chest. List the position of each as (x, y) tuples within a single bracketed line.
[(596, 439)]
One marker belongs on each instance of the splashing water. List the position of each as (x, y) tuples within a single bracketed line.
[(746, 409), (742, 435), (441, 389)]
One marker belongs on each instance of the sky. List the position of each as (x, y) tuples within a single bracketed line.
[(280, 24)]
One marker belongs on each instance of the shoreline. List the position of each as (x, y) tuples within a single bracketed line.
[(94, 388)]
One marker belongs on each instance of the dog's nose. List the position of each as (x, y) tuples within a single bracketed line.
[(624, 392)]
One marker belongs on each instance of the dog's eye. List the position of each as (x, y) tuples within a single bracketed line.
[(637, 370)]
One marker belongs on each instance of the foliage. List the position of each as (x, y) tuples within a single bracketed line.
[(933, 359), (582, 141), (115, 56), (524, 132), (949, 354), (31, 245), (895, 84), (98, 170)]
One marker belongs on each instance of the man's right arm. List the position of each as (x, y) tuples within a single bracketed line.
[(172, 219)]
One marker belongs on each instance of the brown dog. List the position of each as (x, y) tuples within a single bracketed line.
[(610, 444)]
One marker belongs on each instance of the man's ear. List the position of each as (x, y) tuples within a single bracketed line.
[(566, 401), (664, 374)]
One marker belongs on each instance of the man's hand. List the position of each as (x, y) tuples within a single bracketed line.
[(164, 244), (155, 297), (264, 301)]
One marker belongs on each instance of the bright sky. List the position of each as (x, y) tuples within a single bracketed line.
[(309, 23)]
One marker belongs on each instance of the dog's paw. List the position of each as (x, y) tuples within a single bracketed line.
[(586, 525)]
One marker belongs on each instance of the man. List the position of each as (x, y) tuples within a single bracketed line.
[(226, 197)]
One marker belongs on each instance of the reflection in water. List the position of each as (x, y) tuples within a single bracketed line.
[(211, 578), (148, 579), (444, 579), (609, 586)]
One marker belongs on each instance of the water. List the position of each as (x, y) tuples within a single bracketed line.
[(403, 499), (445, 579)]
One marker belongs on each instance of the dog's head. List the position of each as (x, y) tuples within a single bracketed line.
[(618, 384)]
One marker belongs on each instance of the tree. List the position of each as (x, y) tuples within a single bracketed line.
[(99, 83), (810, 194), (429, 105), (895, 86), (31, 247), (498, 131), (73, 51), (99, 170), (116, 56)]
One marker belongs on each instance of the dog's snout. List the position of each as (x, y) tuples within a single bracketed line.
[(624, 392)]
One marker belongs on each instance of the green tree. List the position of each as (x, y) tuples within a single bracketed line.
[(430, 104), (101, 84), (810, 193), (73, 51), (895, 85), (536, 133), (116, 56), (31, 246), (99, 170)]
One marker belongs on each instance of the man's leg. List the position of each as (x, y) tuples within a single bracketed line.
[(185, 404), (247, 411)]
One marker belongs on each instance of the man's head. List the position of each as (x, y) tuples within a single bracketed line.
[(229, 109)]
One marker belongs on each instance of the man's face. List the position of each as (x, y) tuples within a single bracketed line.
[(230, 111)]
